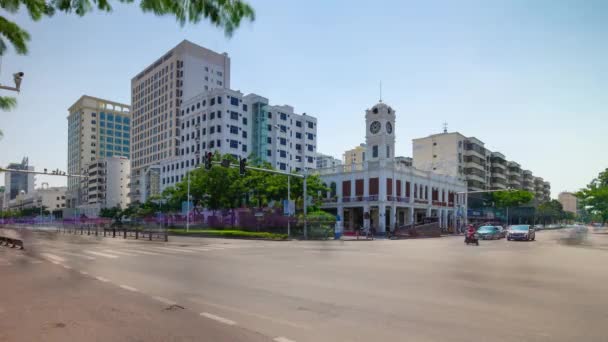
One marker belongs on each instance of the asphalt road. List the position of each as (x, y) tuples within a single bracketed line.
[(407, 290)]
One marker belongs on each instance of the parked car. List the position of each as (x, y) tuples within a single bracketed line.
[(521, 232), (503, 232), (488, 233)]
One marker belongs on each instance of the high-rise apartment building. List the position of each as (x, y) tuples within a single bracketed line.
[(355, 157), (227, 122), (17, 182), (156, 95), (569, 201), (456, 155), (325, 161), (107, 184), (97, 128)]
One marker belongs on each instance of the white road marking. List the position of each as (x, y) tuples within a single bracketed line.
[(84, 273), (77, 255), (111, 256), (164, 300), (174, 249), (143, 252), (127, 287), (55, 262), (66, 267), (103, 279), (53, 257), (218, 318), (118, 252), (248, 313), (282, 339)]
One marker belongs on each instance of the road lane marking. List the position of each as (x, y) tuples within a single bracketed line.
[(55, 262), (282, 339), (218, 318), (164, 300), (53, 257), (76, 255), (174, 249), (103, 279), (250, 314), (127, 287), (84, 273), (111, 256), (143, 252), (118, 252), (66, 267)]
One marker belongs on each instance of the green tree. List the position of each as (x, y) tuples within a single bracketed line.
[(226, 14), (509, 199), (550, 212), (114, 213), (593, 199)]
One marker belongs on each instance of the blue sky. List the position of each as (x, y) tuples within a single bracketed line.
[(529, 78)]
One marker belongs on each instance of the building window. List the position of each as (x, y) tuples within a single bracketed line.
[(309, 135), (244, 134), (211, 129), (283, 116), (234, 101), (298, 123), (234, 115), (212, 101), (234, 144), (283, 166), (93, 122), (310, 147), (269, 140), (310, 124), (245, 121), (219, 98), (93, 115), (309, 159), (282, 154), (298, 147), (219, 128), (283, 141), (244, 107), (219, 143), (234, 130), (375, 151), (212, 116), (244, 148), (388, 151)]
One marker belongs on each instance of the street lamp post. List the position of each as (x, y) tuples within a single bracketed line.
[(188, 202)]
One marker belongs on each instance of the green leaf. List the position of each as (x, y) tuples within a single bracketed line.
[(14, 34), (7, 103)]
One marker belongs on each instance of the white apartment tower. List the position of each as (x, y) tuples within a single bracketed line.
[(107, 184), (227, 122), (156, 95)]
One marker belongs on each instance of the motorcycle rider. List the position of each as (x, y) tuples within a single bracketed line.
[(471, 232)]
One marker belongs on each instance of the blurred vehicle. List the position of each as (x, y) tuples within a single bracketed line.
[(502, 231), (539, 227), (488, 233), (521, 232), (473, 239)]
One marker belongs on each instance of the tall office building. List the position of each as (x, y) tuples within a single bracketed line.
[(97, 128), (156, 95), (17, 182), (227, 122), (456, 155), (355, 157), (325, 161)]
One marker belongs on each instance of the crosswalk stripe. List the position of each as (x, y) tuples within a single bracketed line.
[(111, 256), (118, 252), (143, 252), (174, 249), (76, 255), (53, 257)]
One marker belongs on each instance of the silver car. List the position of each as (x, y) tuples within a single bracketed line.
[(521, 232)]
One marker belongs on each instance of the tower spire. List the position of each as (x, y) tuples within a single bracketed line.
[(380, 91), (445, 127)]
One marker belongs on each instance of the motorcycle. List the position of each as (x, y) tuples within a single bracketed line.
[(473, 239)]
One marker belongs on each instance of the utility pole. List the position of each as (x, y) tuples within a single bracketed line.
[(188, 211), (288, 207), (304, 201)]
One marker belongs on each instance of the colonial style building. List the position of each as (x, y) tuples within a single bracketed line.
[(384, 191)]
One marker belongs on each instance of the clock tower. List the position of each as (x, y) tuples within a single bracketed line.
[(380, 132)]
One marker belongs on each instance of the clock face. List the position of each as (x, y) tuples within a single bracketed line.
[(375, 127), (389, 128)]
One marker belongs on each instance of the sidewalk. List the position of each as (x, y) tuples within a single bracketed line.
[(41, 301)]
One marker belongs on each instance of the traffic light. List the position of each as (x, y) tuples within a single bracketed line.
[(208, 158), (243, 166)]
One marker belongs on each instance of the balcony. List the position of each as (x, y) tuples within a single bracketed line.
[(498, 180)]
